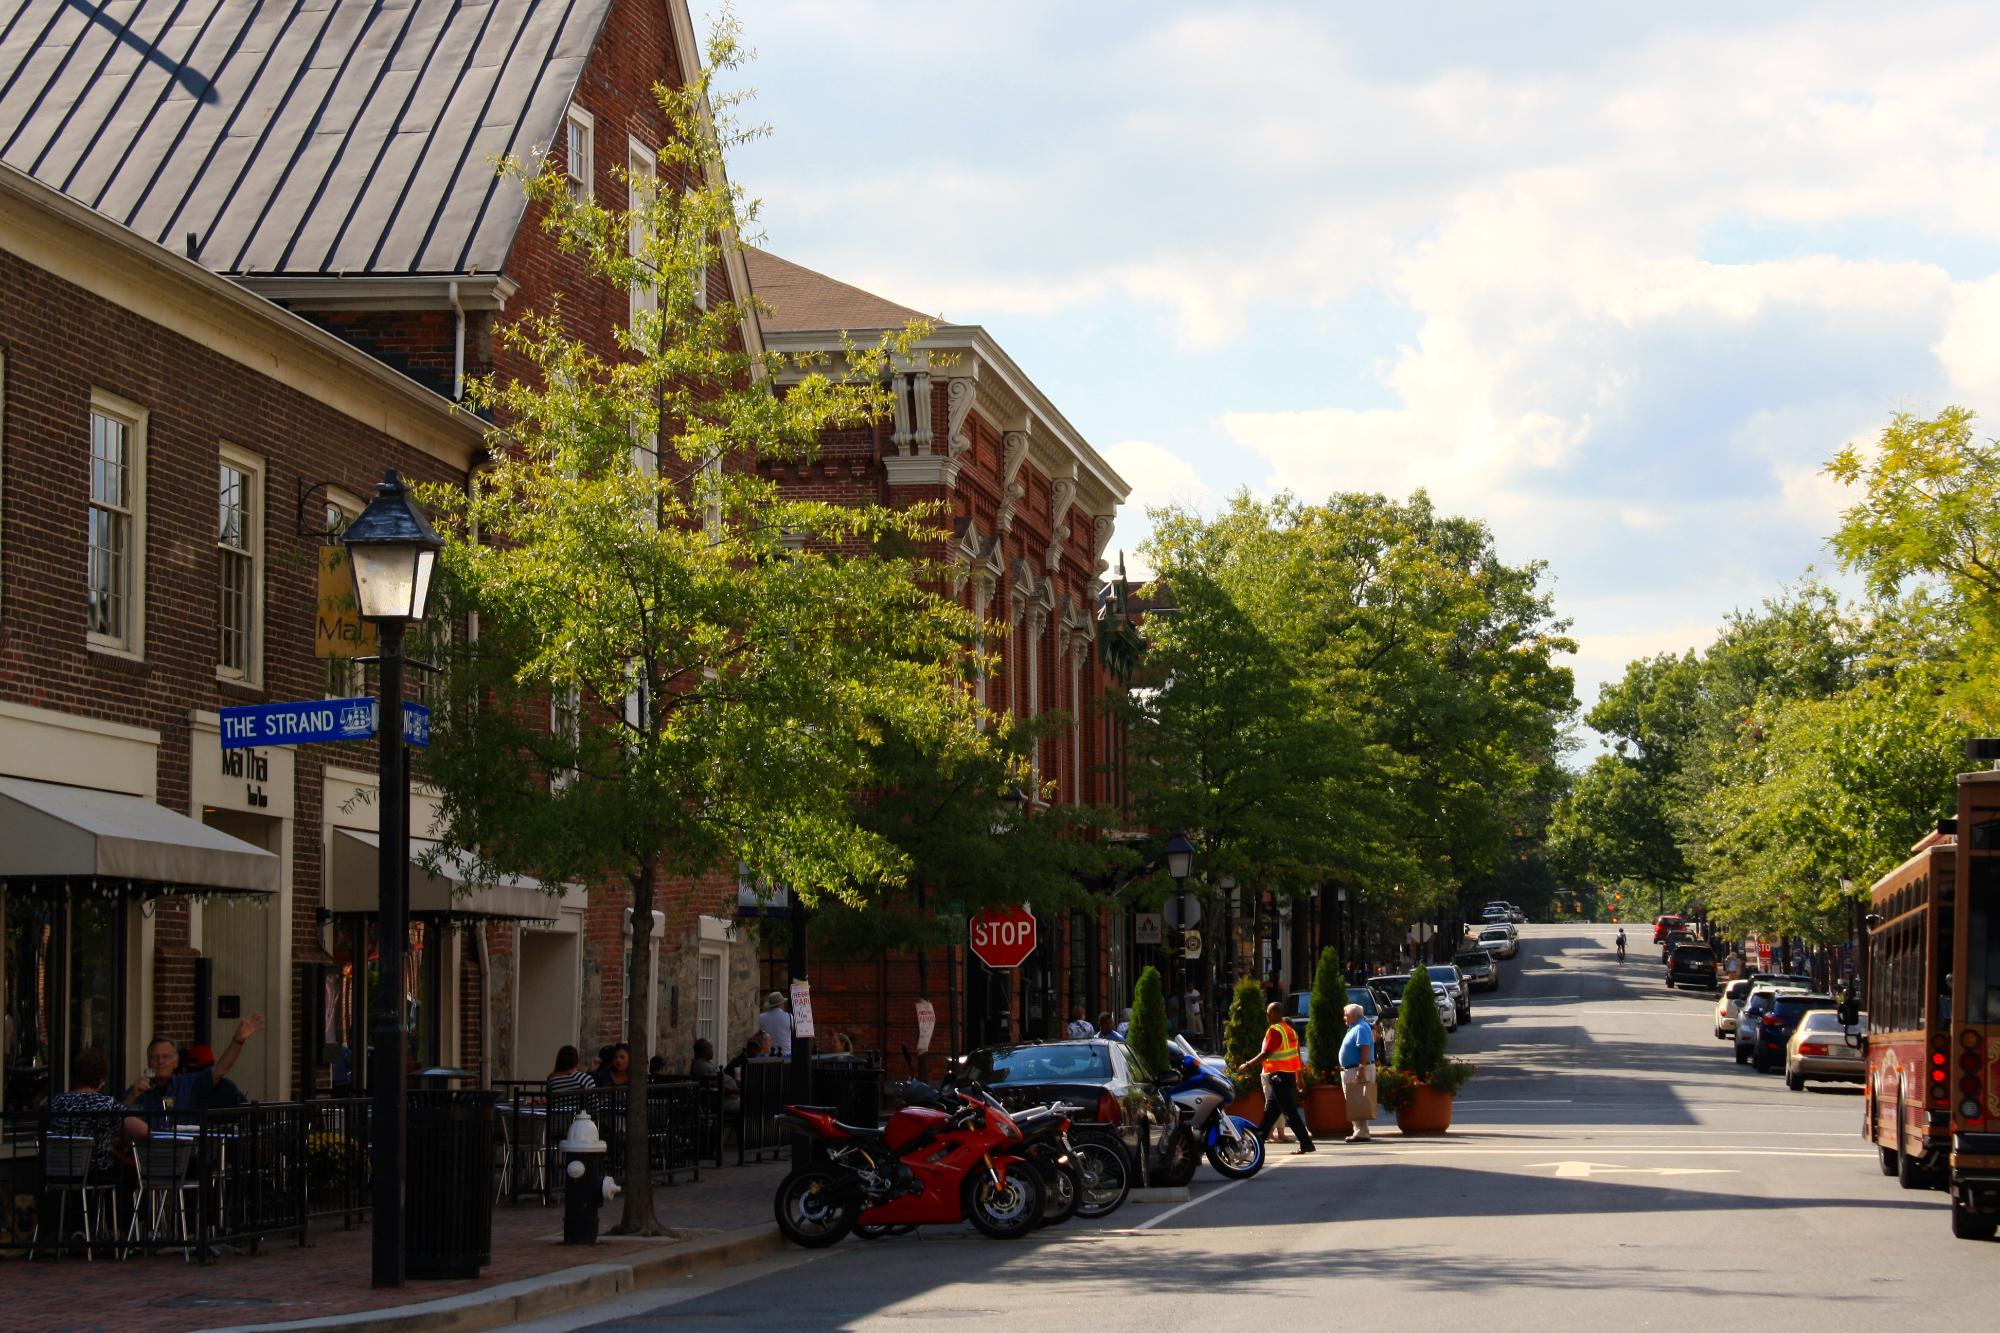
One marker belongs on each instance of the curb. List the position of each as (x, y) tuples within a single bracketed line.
[(547, 1293)]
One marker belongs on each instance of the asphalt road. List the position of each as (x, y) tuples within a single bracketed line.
[(1610, 1165)]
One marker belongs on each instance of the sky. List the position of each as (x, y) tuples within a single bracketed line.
[(1616, 279)]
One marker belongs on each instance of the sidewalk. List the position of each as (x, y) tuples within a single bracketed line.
[(329, 1276)]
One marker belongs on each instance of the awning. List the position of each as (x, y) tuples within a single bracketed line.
[(354, 883), (51, 834)]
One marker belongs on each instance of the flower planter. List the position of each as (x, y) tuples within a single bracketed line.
[(1326, 1111), (1428, 1112), (1250, 1106)]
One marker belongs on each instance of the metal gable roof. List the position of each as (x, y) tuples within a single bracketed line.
[(304, 137)]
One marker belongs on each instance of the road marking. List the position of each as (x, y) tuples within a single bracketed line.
[(1588, 1170), (1520, 1101), (1400, 1151), (1180, 1208)]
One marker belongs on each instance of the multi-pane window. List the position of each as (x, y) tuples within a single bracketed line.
[(237, 541), (113, 532), (566, 727), (708, 1000), (643, 174), (579, 160)]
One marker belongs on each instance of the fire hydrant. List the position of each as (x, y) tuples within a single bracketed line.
[(587, 1187)]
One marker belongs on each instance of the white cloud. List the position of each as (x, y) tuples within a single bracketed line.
[(1157, 477), (1969, 346)]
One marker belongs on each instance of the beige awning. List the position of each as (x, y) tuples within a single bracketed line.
[(50, 833), (354, 883)]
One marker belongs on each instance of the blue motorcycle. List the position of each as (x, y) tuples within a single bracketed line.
[(1200, 1100)]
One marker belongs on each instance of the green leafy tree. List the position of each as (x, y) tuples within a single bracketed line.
[(1244, 1036), (723, 661), (1147, 1036), (1420, 1035), (1326, 1023)]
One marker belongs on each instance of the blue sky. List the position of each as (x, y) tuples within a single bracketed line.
[(1615, 278)]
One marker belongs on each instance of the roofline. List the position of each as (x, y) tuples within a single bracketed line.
[(16, 185), (974, 338), (476, 291)]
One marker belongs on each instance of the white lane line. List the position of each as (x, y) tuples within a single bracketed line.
[(1520, 1101), (1180, 1208), (1400, 1151)]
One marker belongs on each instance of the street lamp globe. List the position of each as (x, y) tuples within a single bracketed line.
[(393, 550), (1180, 857)]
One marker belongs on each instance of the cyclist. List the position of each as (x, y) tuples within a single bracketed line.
[(1621, 944)]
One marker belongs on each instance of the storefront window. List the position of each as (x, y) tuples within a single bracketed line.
[(352, 984), (94, 974), (63, 975), (30, 973)]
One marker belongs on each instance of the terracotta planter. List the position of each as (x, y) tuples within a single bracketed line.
[(1326, 1112), (1250, 1106), (1429, 1112)]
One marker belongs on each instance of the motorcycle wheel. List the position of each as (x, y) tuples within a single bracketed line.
[(1183, 1159), (1238, 1158), (1105, 1173), (1004, 1213), (807, 1210), (1062, 1191)]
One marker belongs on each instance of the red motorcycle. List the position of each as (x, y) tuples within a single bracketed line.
[(925, 1166)]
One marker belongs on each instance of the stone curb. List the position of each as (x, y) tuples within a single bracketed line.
[(533, 1297)]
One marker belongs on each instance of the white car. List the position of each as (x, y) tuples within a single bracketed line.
[(1447, 1010), (1502, 941), (1728, 1004)]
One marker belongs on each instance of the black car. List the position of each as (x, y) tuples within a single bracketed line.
[(1481, 969), (1691, 965), (1774, 1028), (1099, 1074), (1298, 1012)]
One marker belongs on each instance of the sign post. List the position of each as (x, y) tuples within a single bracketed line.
[(1003, 936)]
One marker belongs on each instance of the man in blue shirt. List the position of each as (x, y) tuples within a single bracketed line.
[(1357, 1073), (166, 1096)]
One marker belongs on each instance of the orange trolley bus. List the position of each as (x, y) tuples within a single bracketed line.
[(1932, 1101)]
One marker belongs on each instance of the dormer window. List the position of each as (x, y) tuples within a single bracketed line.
[(579, 159)]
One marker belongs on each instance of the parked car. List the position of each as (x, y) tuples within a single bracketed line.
[(1101, 1075), (1447, 1006), (1502, 941), (1516, 915), (1298, 1009), (1448, 976), (1691, 965), (1755, 1005), (1822, 1049), (1675, 939), (1667, 922), (1480, 969), (1389, 993), (1727, 1005), (1775, 1025)]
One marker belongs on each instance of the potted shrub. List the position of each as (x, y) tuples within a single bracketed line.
[(1420, 1086), (1325, 1106), (1148, 1034), (1242, 1038)]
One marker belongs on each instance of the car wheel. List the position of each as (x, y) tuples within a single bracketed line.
[(1742, 1056), (1888, 1159), (1670, 983), (1795, 1081)]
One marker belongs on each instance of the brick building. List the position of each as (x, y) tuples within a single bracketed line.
[(1030, 507)]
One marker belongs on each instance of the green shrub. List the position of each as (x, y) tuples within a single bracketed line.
[(1243, 1036), (1326, 1023), (1419, 1031), (1148, 1034)]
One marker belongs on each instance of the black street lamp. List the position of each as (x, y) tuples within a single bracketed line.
[(393, 551), (1180, 864)]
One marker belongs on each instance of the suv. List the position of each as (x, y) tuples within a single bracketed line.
[(1774, 1028), (1727, 1006), (1481, 972), (1691, 965), (1453, 981), (1671, 921)]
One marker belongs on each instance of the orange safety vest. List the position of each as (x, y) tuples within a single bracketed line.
[(1284, 1060)]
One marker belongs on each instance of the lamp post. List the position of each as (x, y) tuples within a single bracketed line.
[(393, 551), (1180, 864)]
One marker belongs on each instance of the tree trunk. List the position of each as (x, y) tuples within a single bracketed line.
[(639, 1218)]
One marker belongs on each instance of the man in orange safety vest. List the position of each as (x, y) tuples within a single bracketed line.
[(1282, 1061)]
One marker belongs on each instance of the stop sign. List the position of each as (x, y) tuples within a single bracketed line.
[(1003, 936)]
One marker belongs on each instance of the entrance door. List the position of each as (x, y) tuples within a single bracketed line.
[(546, 996), (237, 938)]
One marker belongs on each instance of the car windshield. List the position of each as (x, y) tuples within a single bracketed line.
[(1693, 953), (1444, 972), (1828, 1020), (1394, 983), (1474, 960), (1791, 1006), (1736, 990), (1062, 1062), (1364, 997)]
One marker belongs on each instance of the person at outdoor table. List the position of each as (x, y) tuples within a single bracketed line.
[(777, 1022), (164, 1095), (89, 1101), (197, 1059), (1079, 1026), (656, 1067), (617, 1069), (569, 1075)]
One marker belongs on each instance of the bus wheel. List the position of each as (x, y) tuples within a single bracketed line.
[(1888, 1156), (1910, 1173), (1968, 1225)]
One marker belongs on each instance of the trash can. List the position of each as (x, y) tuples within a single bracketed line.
[(448, 1189)]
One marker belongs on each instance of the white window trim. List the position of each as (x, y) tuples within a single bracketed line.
[(586, 178), (253, 469), (133, 644), (636, 153), (567, 700)]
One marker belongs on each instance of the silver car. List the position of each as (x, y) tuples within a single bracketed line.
[(1502, 941), (1823, 1050)]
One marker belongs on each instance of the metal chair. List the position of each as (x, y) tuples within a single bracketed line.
[(166, 1178), (69, 1167)]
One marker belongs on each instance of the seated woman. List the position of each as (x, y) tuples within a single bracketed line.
[(92, 1106)]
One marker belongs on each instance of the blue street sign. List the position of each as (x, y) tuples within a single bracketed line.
[(319, 720), (417, 724)]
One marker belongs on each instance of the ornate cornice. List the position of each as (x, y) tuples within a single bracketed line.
[(1062, 494), (911, 433), (1011, 489), (961, 391)]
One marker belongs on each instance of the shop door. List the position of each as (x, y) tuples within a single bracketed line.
[(546, 999), (238, 938)]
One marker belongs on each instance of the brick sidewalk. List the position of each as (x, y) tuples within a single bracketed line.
[(164, 1294)]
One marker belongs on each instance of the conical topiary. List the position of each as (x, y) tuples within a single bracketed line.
[(1326, 1022), (1244, 1036), (1148, 1034), (1419, 1031)]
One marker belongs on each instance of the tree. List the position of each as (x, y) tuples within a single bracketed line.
[(1326, 1020), (1147, 1035), (677, 670), (1420, 1037)]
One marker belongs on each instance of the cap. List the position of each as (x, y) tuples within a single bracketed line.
[(200, 1057), (775, 998)]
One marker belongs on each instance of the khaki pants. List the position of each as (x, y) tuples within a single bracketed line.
[(1357, 1087)]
